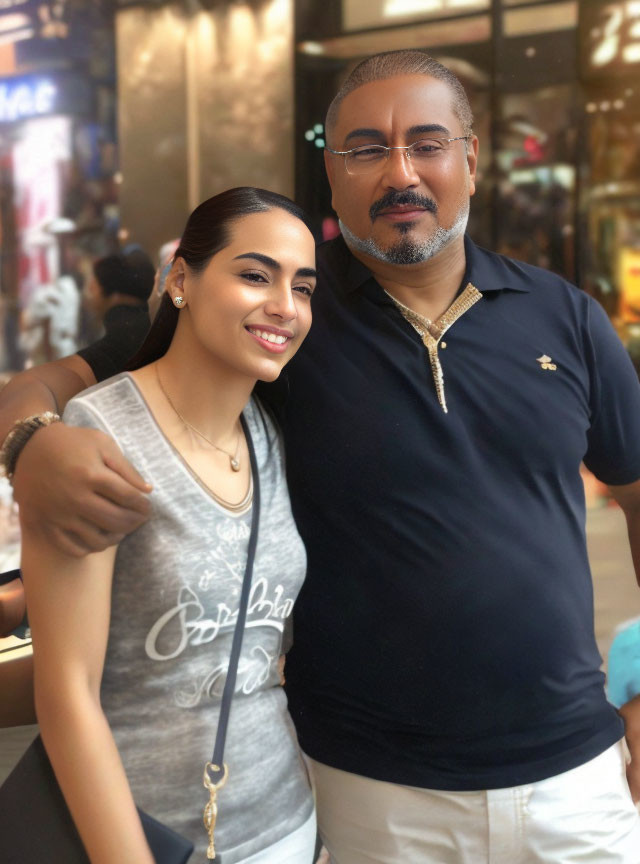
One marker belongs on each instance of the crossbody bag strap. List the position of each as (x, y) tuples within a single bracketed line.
[(217, 760)]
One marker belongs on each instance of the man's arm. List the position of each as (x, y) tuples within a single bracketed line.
[(73, 485), (628, 497)]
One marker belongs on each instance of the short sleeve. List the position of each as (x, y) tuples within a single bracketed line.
[(613, 450), (109, 355), (125, 332), (79, 412)]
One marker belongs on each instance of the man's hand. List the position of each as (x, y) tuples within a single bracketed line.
[(74, 486), (630, 713)]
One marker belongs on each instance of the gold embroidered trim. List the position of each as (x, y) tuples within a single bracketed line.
[(431, 332)]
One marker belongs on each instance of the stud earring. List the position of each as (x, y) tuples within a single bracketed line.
[(178, 301)]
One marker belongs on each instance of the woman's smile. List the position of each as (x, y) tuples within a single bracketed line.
[(270, 338)]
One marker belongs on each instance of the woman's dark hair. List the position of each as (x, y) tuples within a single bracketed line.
[(208, 230)]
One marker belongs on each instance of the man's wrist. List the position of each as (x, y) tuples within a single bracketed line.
[(18, 436)]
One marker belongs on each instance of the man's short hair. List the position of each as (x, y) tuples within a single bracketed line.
[(130, 273), (389, 64)]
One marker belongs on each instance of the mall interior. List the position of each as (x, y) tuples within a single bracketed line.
[(118, 117)]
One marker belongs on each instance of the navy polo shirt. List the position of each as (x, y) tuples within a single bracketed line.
[(444, 635)]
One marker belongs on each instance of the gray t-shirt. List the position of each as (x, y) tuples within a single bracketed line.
[(175, 597)]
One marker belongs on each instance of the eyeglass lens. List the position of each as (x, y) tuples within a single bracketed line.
[(367, 158)]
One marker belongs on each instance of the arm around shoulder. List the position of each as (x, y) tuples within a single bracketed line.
[(43, 388), (72, 484)]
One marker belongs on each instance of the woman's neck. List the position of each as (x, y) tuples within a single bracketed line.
[(191, 388)]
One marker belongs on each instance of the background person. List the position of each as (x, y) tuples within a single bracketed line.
[(49, 323), (117, 296), (165, 257), (128, 706)]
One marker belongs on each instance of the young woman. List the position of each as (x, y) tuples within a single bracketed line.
[(131, 646)]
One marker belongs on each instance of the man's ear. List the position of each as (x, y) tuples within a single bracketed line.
[(472, 161)]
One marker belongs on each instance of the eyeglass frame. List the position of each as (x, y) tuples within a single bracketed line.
[(407, 147)]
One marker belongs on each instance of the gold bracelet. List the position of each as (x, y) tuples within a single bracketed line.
[(20, 433)]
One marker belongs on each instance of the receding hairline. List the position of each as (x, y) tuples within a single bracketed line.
[(395, 64)]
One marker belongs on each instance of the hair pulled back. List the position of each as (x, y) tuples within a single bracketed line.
[(207, 232)]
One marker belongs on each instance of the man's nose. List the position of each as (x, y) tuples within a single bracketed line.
[(399, 170)]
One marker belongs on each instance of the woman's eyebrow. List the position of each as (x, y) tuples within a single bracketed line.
[(258, 256), (275, 265)]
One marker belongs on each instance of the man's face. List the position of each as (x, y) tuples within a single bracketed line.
[(404, 211)]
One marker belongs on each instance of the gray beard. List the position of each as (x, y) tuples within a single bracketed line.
[(407, 251)]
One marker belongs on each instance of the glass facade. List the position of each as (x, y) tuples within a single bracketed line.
[(554, 90)]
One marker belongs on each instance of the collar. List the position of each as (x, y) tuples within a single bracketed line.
[(487, 271)]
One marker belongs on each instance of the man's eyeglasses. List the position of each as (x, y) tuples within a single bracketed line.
[(370, 157)]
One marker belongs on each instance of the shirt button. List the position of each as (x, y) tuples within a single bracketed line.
[(443, 344)]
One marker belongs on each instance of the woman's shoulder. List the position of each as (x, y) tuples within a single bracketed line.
[(111, 401)]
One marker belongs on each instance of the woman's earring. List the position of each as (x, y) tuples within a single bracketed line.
[(178, 301)]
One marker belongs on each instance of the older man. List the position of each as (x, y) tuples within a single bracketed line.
[(444, 679)]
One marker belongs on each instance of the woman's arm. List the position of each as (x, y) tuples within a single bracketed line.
[(69, 603)]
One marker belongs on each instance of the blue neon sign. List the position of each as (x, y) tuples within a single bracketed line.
[(24, 98)]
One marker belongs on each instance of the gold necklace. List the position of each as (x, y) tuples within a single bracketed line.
[(234, 461)]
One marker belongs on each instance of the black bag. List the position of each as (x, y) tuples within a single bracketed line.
[(35, 824)]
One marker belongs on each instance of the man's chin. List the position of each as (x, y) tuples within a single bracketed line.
[(407, 249), (404, 251)]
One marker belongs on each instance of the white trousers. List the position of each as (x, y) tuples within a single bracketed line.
[(583, 816), (296, 848)]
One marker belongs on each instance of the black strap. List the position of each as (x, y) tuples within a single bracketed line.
[(10, 576), (238, 633)]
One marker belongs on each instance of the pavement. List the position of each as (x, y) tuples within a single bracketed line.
[(616, 593)]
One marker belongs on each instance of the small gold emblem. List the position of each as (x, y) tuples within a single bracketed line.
[(545, 363)]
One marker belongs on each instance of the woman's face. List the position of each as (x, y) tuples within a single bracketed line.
[(250, 308)]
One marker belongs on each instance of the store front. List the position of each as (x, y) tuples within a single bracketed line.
[(58, 172), (558, 177), (610, 192)]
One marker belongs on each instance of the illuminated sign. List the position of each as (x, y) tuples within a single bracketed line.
[(357, 14), (629, 275), (610, 37), (27, 98)]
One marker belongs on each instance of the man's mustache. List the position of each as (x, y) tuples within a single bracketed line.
[(393, 199)]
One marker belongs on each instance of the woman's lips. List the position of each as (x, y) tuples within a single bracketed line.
[(271, 339)]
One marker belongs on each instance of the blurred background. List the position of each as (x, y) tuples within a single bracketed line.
[(118, 117)]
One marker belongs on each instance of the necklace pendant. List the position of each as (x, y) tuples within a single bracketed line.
[(235, 463)]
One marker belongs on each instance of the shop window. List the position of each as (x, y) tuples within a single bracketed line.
[(549, 18), (536, 179), (357, 15)]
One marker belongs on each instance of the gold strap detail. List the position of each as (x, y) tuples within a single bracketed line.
[(211, 810), (431, 332)]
